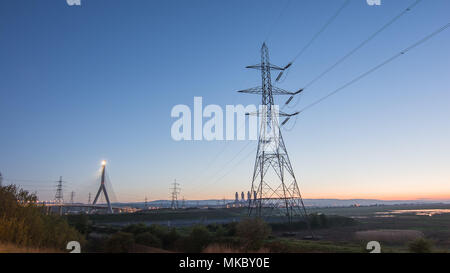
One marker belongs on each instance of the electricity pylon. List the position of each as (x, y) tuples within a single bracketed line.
[(59, 192), (59, 199), (72, 195), (274, 182), (175, 191), (103, 189)]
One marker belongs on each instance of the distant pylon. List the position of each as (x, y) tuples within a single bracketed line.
[(59, 192), (175, 190), (59, 199), (103, 189), (72, 195), (89, 198), (273, 176), (145, 203)]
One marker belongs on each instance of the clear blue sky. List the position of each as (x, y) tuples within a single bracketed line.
[(82, 84)]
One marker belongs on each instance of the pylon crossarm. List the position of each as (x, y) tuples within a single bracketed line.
[(274, 114), (265, 66), (275, 91)]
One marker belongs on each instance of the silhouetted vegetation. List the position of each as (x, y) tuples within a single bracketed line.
[(334, 233), (120, 242), (198, 239), (420, 245), (316, 221), (80, 222), (23, 223), (253, 232), (148, 239)]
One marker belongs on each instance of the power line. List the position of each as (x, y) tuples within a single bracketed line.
[(277, 19), (229, 171), (225, 165), (307, 45), (406, 50), (363, 43), (332, 18), (358, 47)]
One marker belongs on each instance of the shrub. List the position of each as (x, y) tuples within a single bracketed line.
[(420, 245), (198, 239), (159, 231), (23, 223), (136, 228), (148, 239), (80, 222), (169, 239), (120, 242), (253, 232)]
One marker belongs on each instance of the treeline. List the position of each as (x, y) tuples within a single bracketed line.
[(23, 223), (247, 235), (316, 221), (250, 234)]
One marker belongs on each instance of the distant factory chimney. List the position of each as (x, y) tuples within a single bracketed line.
[(249, 196), (236, 196), (242, 196)]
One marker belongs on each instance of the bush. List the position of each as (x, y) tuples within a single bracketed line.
[(80, 222), (169, 239), (23, 223), (148, 239), (420, 245), (120, 242), (198, 239), (231, 229), (253, 232), (136, 228)]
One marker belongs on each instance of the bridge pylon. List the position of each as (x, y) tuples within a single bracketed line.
[(103, 189)]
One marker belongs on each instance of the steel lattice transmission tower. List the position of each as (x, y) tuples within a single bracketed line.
[(72, 195), (274, 183), (59, 198), (175, 191), (103, 189)]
